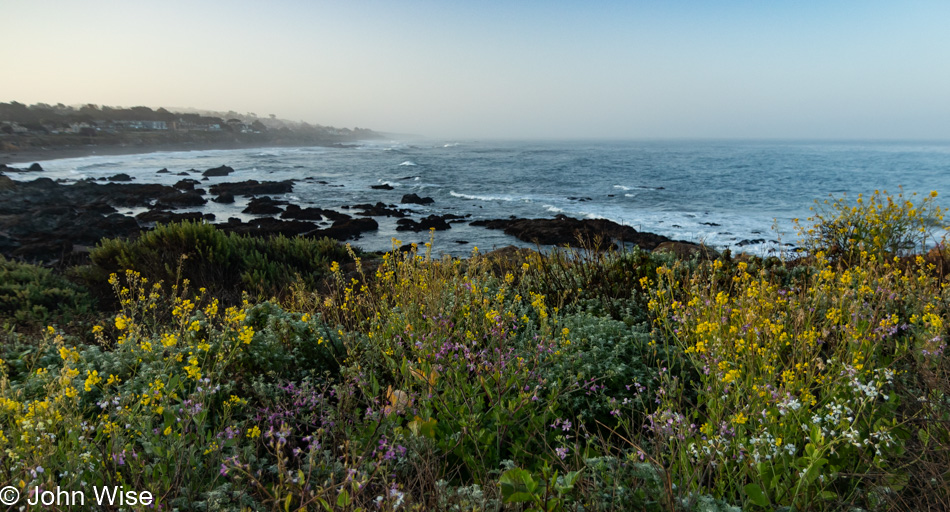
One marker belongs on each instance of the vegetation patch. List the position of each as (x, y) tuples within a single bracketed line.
[(574, 380)]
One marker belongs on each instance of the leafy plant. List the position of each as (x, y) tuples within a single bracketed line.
[(880, 225)]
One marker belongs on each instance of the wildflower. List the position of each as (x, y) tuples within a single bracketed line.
[(122, 321), (169, 340), (92, 378), (246, 334), (254, 432), (69, 354)]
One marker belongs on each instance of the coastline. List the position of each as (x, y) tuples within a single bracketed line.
[(32, 155)]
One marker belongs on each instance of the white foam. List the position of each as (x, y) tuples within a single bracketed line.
[(408, 163), (487, 198), (637, 187), (553, 209)]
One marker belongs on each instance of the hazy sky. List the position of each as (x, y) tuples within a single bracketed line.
[(527, 69)]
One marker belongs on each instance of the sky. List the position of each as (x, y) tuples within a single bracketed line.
[(502, 69)]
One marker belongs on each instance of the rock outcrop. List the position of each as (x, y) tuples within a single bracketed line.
[(564, 230)]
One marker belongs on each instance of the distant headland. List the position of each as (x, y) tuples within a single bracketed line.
[(44, 132)]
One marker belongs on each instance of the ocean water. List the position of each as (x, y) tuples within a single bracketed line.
[(729, 194)]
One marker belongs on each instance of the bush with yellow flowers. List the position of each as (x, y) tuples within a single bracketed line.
[(881, 225), (809, 387)]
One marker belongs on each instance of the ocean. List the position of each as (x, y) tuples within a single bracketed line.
[(741, 195)]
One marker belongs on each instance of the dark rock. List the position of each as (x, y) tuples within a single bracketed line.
[(426, 223), (6, 183), (182, 174), (746, 242), (166, 217), (346, 229), (98, 207), (42, 250), (35, 168), (186, 184), (267, 226), (253, 187), (8, 244), (295, 212), (384, 186), (224, 198), (163, 171), (264, 206), (378, 210), (223, 170), (414, 199), (710, 224), (122, 195), (120, 177), (42, 220), (563, 230), (181, 199)]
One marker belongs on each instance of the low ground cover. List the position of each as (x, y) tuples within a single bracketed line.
[(574, 380)]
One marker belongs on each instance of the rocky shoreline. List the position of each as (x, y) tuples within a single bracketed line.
[(47, 221), (29, 154)]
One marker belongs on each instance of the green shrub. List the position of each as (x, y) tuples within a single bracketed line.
[(613, 359), (291, 346), (224, 264), (32, 296)]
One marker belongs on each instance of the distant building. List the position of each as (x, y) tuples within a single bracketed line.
[(79, 127), (142, 125)]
